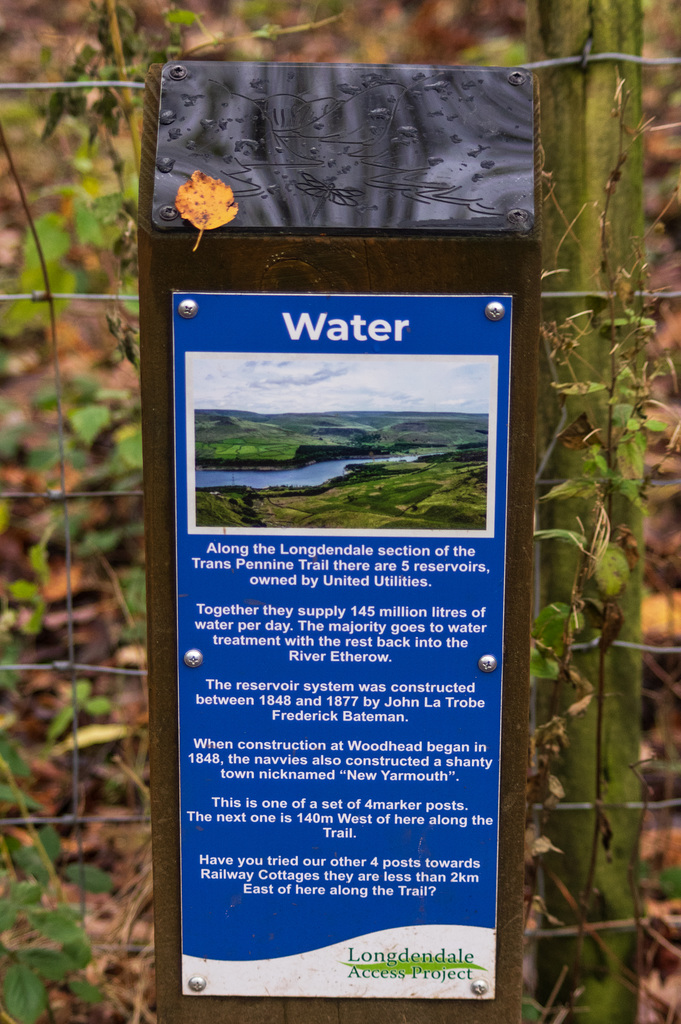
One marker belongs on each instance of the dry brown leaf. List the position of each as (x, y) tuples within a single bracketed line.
[(577, 709), (625, 539), (206, 203), (580, 434), (60, 581), (542, 844)]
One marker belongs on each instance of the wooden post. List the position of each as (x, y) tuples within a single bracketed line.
[(460, 252), (581, 141)]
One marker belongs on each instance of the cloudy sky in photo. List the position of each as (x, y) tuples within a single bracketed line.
[(319, 384)]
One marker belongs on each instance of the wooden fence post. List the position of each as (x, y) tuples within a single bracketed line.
[(581, 140)]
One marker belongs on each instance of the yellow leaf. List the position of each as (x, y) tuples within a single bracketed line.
[(90, 735), (206, 203)]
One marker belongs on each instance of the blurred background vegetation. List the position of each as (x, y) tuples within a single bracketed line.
[(76, 927)]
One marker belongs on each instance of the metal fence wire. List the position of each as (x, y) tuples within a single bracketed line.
[(70, 669)]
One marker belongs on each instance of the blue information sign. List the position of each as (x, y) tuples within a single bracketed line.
[(341, 512)]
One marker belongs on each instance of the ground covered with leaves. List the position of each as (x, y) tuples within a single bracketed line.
[(73, 741)]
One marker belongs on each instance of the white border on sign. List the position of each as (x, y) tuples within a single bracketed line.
[(360, 967), (492, 361)]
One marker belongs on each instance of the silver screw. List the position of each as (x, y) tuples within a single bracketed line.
[(487, 663), (188, 309), (478, 987), (193, 658), (495, 311), (178, 72), (196, 983), (168, 213), (517, 78), (518, 217)]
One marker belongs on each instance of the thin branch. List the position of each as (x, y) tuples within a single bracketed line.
[(273, 33), (127, 102)]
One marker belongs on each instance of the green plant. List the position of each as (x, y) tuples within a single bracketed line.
[(41, 936)]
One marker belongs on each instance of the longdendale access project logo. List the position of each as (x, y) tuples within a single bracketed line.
[(439, 967)]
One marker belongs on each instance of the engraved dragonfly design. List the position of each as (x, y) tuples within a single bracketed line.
[(328, 192)]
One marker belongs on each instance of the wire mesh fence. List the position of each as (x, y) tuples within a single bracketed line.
[(72, 819)]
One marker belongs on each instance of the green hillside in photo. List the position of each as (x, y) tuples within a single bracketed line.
[(444, 487), (234, 439)]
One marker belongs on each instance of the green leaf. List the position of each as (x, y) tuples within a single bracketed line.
[(89, 420), (4, 516), (98, 706), (542, 667), (180, 17), (25, 995), (88, 226), (85, 991), (570, 489), (79, 953), (97, 541), (631, 456), (37, 556), (108, 207), (55, 924), (52, 964), (83, 691), (657, 425), (550, 625), (59, 723), (8, 915), (49, 837), (29, 861), (14, 759), (54, 241), (26, 893), (670, 882), (571, 536), (612, 572), (595, 464), (581, 387), (621, 413), (91, 878), (631, 490), (617, 321), (7, 796), (129, 447), (35, 623), (23, 590)]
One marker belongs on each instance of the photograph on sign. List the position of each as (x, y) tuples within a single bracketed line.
[(341, 515), (372, 443)]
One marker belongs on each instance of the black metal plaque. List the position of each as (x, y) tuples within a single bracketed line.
[(360, 149)]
